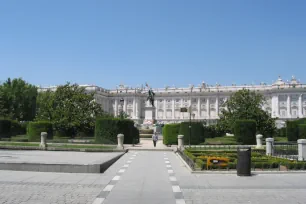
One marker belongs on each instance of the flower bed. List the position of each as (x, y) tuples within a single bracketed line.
[(227, 160)]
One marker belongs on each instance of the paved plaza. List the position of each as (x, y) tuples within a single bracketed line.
[(149, 177)]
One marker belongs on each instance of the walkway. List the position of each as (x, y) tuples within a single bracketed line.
[(147, 144)]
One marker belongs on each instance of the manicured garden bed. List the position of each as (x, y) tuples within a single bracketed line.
[(259, 160)]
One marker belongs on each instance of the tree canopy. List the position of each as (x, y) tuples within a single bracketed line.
[(246, 104), (18, 100), (70, 109)]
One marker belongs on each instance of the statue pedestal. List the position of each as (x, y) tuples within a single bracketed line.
[(149, 115)]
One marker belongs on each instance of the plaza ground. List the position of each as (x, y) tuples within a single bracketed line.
[(149, 177)]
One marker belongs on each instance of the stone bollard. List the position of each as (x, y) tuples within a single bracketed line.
[(43, 140), (270, 146), (302, 149), (180, 142), (258, 141), (120, 138)]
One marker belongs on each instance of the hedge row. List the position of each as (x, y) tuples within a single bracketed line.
[(302, 131), (107, 129), (293, 128), (10, 128), (170, 133), (245, 131), (35, 129)]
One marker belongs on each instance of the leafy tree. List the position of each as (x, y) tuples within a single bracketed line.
[(247, 105), (70, 109), (18, 99)]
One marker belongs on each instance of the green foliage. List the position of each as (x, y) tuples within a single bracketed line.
[(292, 130), (302, 131), (170, 133), (210, 131), (146, 131), (5, 128), (35, 129), (70, 109), (107, 129), (197, 132), (245, 131), (18, 100), (20, 138), (282, 132), (247, 105)]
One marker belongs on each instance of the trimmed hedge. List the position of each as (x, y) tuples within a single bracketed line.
[(197, 133), (302, 131), (170, 133), (107, 129), (282, 132), (146, 131), (210, 132), (292, 131), (245, 131), (35, 129), (5, 128)]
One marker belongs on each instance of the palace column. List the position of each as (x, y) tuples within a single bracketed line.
[(182, 114), (134, 108), (156, 109), (288, 106), (165, 109), (207, 108), (124, 105), (300, 106), (116, 107), (217, 107), (199, 108), (173, 108)]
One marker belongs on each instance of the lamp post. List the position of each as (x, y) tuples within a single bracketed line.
[(121, 111)]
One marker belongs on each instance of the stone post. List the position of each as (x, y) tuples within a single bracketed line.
[(43, 140), (269, 146), (258, 141), (120, 138), (180, 142), (302, 149)]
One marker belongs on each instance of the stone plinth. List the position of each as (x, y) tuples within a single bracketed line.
[(302, 149), (269, 146), (259, 141), (180, 142), (43, 140), (120, 138)]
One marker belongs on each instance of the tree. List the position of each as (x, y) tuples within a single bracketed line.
[(18, 100), (70, 109), (247, 105)]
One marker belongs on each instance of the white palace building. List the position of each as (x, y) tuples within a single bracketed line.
[(284, 100)]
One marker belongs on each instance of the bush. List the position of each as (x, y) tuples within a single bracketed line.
[(20, 138), (282, 132), (107, 129), (170, 133), (35, 129), (5, 128), (292, 131), (245, 131), (197, 133), (302, 131), (209, 132), (146, 131), (200, 163)]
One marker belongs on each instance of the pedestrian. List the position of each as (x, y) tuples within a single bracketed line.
[(154, 138)]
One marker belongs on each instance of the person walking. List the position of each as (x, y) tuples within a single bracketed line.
[(154, 138)]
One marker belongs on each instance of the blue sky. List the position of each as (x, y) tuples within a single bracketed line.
[(162, 42)]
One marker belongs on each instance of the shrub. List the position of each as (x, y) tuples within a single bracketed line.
[(5, 128), (197, 132), (200, 163), (107, 129), (170, 133), (209, 132), (282, 132), (292, 130), (146, 131), (35, 129), (302, 131), (245, 131), (20, 138)]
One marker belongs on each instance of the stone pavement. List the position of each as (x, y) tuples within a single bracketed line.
[(145, 177), (147, 144)]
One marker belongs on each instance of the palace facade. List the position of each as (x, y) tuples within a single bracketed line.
[(284, 100)]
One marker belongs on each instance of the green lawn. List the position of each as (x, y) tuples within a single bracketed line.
[(70, 146), (225, 140), (220, 140)]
